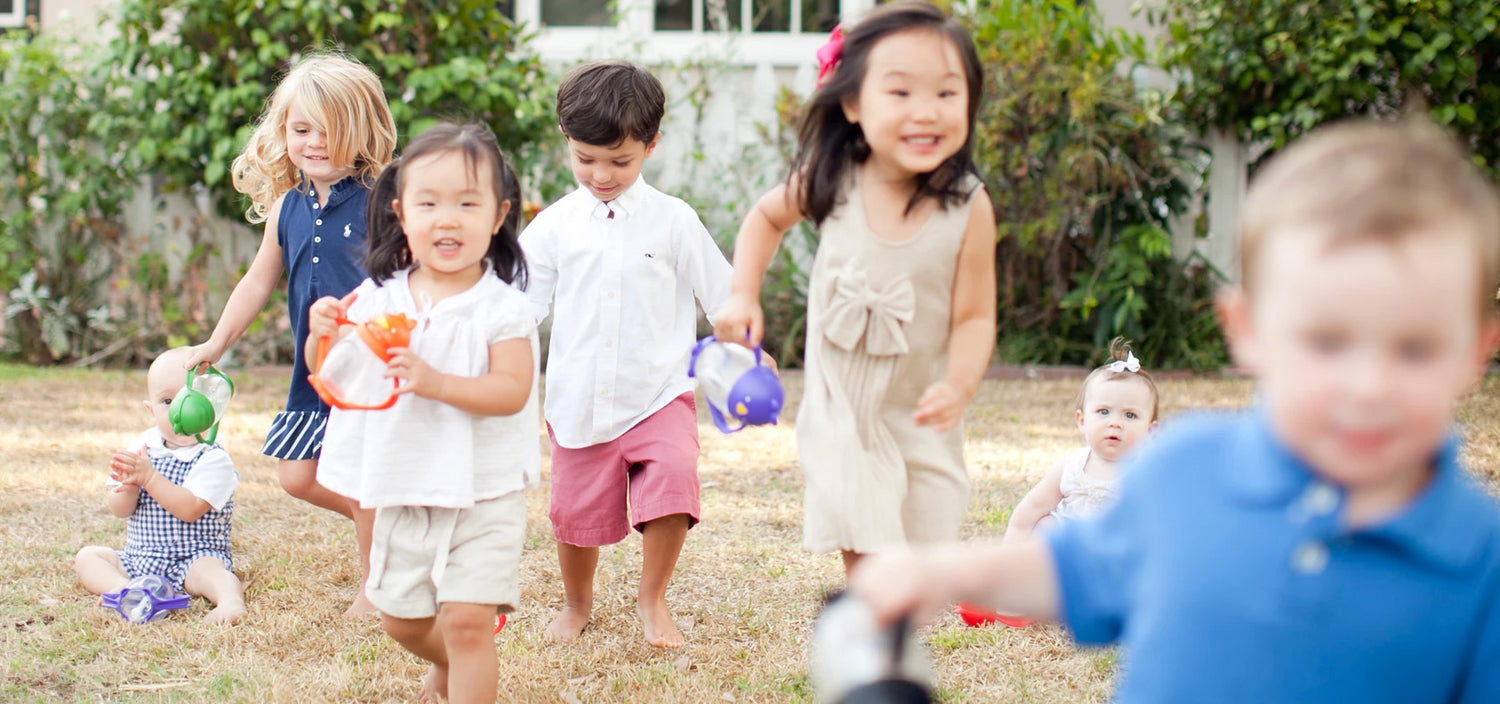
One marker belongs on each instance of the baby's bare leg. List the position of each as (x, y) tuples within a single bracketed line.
[(100, 570), (210, 579), (661, 543)]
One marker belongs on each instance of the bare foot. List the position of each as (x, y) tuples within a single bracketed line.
[(361, 608), (434, 686), (227, 612), (567, 625), (661, 631)]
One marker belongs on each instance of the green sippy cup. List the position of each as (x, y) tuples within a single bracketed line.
[(200, 404)]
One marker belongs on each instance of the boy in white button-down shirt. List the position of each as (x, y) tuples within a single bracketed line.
[(620, 264)]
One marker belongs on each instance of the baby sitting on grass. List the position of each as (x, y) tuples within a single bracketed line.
[(177, 496)]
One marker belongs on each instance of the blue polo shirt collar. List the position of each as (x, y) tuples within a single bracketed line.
[(338, 193), (1436, 527)]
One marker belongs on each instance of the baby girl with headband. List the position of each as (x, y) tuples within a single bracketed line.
[(1115, 408)]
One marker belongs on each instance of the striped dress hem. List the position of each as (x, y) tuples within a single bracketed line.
[(296, 435)]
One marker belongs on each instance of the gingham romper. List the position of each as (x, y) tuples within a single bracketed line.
[(156, 542)]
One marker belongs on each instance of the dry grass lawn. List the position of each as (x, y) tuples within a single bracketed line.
[(745, 591)]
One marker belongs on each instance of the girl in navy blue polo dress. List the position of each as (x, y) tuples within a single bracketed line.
[(325, 136)]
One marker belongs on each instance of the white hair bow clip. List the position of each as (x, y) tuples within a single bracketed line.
[(1129, 364)]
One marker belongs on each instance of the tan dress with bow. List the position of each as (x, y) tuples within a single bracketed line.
[(878, 318)]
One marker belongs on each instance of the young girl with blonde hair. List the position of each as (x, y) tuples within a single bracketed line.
[(901, 303), (325, 136)]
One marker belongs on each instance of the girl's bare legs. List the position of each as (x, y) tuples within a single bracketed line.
[(300, 479), (364, 526), (851, 559), (661, 543), (100, 570), (460, 645), (577, 565), (210, 579)]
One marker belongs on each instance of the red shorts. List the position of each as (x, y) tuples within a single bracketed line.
[(653, 466)]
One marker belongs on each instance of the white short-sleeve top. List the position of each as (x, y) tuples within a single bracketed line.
[(422, 452)]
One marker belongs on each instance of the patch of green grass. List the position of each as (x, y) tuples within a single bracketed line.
[(225, 684), (947, 640)]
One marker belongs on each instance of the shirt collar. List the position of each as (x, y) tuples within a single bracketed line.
[(626, 204), (479, 290), (1439, 525), (337, 193), (156, 445)]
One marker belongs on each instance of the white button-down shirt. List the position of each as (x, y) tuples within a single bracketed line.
[(620, 279)]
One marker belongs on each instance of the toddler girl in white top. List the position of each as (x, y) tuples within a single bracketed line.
[(445, 467), (1115, 408)]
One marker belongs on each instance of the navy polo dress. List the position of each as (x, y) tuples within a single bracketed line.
[(323, 252)]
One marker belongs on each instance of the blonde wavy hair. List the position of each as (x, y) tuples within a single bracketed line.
[(341, 98)]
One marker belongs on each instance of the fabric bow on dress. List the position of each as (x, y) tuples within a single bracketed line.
[(857, 310)]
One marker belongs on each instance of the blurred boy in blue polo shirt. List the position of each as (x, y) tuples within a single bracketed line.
[(1325, 545)]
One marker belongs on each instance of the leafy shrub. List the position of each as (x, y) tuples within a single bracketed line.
[(201, 71), (175, 95), (66, 179), (1270, 71), (1085, 169)]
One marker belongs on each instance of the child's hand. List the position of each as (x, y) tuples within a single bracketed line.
[(739, 315), (205, 354), (941, 406), (413, 373), (324, 314), (898, 583), (131, 468)]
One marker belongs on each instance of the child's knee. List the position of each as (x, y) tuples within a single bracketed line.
[(91, 553), (405, 630), (467, 625), (297, 480)]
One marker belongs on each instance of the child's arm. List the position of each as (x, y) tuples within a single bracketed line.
[(122, 498), (135, 469), (1017, 578), (541, 266), (971, 334), (1036, 503), (759, 236), (502, 391), (248, 298)]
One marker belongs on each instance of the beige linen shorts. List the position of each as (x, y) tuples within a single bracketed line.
[(422, 556)]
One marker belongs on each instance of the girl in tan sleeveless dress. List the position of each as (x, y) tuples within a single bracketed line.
[(901, 305)]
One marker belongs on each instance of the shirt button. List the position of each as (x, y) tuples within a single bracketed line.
[(318, 222), (317, 239), (611, 294), (315, 260), (1320, 499), (316, 206), (1310, 557)]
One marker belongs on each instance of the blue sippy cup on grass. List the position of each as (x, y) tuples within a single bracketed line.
[(147, 598)]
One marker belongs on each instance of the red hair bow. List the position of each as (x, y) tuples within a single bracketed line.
[(830, 53)]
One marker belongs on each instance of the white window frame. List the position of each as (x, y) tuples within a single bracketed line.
[(636, 34), (16, 17)]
